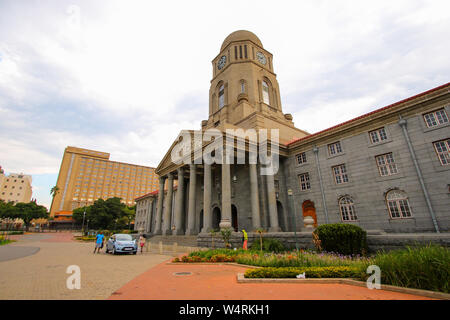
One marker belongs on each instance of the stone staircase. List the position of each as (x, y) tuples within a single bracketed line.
[(185, 241)]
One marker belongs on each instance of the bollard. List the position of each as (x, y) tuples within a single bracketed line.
[(160, 247)]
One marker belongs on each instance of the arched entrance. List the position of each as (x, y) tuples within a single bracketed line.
[(308, 209), (216, 217), (281, 216), (234, 218)]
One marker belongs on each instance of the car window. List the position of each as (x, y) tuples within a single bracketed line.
[(123, 237)]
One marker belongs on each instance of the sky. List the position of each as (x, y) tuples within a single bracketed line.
[(124, 77)]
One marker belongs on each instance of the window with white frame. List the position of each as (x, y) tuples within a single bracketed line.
[(340, 174), (301, 158), (334, 148), (398, 205), (304, 181), (443, 151), (347, 209), (265, 92), (221, 96), (378, 135), (435, 118), (386, 164)]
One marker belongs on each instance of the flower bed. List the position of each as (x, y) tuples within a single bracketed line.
[(310, 272), (213, 258)]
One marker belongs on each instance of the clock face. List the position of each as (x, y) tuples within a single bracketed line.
[(261, 57), (221, 63)]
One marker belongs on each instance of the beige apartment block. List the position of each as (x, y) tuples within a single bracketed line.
[(88, 175), (15, 187)]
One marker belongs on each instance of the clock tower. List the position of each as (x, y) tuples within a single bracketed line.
[(244, 90)]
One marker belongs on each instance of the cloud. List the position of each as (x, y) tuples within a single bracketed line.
[(126, 77)]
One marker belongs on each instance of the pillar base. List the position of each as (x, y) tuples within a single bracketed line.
[(274, 229), (205, 230), (157, 233), (178, 232), (191, 232), (167, 232), (224, 224)]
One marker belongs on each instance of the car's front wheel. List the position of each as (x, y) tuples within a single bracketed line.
[(114, 250)]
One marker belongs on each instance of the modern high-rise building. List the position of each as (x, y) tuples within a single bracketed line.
[(88, 175), (15, 187)]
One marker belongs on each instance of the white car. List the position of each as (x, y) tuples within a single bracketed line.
[(121, 243)]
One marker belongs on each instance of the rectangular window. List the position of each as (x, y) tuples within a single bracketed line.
[(435, 118), (443, 151), (386, 164), (265, 93), (304, 181), (301, 158), (334, 148), (245, 51), (378, 135), (240, 52), (235, 52), (340, 174)]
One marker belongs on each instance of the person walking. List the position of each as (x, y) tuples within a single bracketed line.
[(245, 238), (142, 242), (99, 242)]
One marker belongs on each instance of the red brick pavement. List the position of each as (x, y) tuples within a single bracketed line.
[(218, 282)]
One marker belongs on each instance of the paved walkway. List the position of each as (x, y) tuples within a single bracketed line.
[(42, 275), (218, 282)]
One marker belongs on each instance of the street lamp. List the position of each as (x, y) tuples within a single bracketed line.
[(82, 226), (295, 218)]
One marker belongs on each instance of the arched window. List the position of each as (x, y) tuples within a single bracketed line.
[(221, 96), (398, 205), (347, 209), (265, 92)]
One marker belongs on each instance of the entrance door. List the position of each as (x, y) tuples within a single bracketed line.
[(216, 218), (234, 218), (309, 210)]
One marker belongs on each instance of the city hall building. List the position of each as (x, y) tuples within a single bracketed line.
[(387, 171)]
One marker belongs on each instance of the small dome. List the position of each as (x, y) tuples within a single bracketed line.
[(241, 35)]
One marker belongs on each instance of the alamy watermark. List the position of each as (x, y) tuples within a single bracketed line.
[(237, 146), (374, 281), (74, 280)]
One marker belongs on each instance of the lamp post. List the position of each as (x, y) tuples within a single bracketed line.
[(82, 226), (295, 218), (87, 225)]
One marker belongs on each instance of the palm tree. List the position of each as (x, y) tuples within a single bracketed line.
[(54, 191)]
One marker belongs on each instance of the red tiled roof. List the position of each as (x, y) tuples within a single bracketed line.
[(152, 193), (369, 114)]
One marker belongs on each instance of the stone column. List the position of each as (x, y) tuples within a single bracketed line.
[(149, 217), (256, 219), (225, 222), (272, 201), (192, 197), (158, 229), (167, 230), (207, 218), (179, 204)]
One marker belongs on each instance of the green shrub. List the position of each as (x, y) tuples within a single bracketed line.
[(426, 267), (342, 238), (310, 272), (272, 245)]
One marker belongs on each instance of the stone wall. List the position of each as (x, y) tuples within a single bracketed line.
[(376, 240)]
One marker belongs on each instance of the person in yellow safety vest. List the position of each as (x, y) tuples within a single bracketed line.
[(245, 237)]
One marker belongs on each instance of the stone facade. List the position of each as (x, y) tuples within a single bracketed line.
[(381, 171)]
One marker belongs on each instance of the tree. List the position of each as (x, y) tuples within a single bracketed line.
[(106, 214), (54, 191), (29, 211), (226, 235)]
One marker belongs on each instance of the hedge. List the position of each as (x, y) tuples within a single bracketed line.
[(342, 238), (310, 272), (272, 245)]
